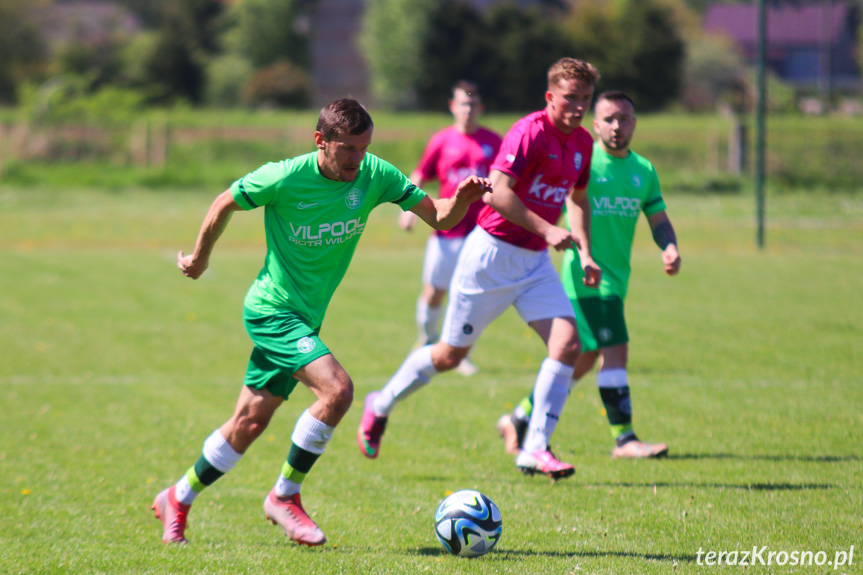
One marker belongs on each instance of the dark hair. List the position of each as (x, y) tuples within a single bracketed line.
[(614, 96), (466, 86), (343, 117)]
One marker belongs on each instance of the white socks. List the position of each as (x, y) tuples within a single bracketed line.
[(428, 320), (416, 371), (550, 393), (615, 377), (218, 453), (312, 435)]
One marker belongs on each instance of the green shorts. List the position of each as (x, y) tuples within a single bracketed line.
[(284, 343), (600, 322)]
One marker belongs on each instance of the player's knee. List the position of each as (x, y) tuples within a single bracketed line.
[(569, 352), (446, 357), (341, 394), (250, 426)]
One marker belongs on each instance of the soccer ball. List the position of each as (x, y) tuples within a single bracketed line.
[(468, 524)]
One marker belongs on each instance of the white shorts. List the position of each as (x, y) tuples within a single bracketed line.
[(491, 275), (440, 259)]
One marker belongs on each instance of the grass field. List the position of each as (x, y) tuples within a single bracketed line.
[(211, 148), (114, 368)]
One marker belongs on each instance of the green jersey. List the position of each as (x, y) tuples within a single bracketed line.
[(313, 225), (619, 190)]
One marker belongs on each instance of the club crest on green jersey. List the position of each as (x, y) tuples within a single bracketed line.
[(354, 199), (306, 345)]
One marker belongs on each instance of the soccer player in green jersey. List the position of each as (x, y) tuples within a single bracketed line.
[(316, 206), (622, 185)]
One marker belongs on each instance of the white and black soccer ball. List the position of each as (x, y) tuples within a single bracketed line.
[(468, 524)]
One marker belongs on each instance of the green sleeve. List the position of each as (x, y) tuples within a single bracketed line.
[(653, 203), (258, 188), (398, 189)]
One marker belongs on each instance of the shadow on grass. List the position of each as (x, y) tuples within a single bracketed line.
[(803, 458), (742, 487), (520, 554)]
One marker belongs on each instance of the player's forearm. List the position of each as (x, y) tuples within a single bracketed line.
[(448, 212), (578, 212), (663, 234), (215, 222), (509, 205)]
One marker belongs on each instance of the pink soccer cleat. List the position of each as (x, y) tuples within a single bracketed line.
[(543, 462), (173, 515), (288, 512), (371, 429)]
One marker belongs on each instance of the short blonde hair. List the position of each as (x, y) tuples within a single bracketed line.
[(572, 69)]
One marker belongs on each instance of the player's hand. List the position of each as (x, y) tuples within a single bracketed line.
[(190, 267), (472, 188), (592, 273), (671, 260), (407, 220), (559, 238)]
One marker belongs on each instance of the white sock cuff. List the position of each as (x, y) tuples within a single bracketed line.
[(219, 452), (612, 378), (424, 363), (312, 434), (557, 368)]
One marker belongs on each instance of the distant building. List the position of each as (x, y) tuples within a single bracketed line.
[(804, 41), (87, 22)]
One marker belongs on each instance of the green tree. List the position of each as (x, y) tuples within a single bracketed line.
[(269, 31), (455, 48), (714, 71), (100, 63), (227, 75), (185, 42), (507, 50), (22, 51), (392, 37), (521, 44), (636, 46)]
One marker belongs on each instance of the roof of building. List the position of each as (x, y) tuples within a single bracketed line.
[(786, 24)]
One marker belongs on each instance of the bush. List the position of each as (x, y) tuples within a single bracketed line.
[(226, 78), (279, 85)]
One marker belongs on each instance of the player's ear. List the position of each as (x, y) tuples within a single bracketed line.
[(320, 140)]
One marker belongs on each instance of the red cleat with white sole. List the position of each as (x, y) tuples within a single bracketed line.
[(173, 515), (288, 512)]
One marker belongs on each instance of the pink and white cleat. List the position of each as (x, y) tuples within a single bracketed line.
[(173, 515), (288, 512), (543, 462), (371, 429)]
